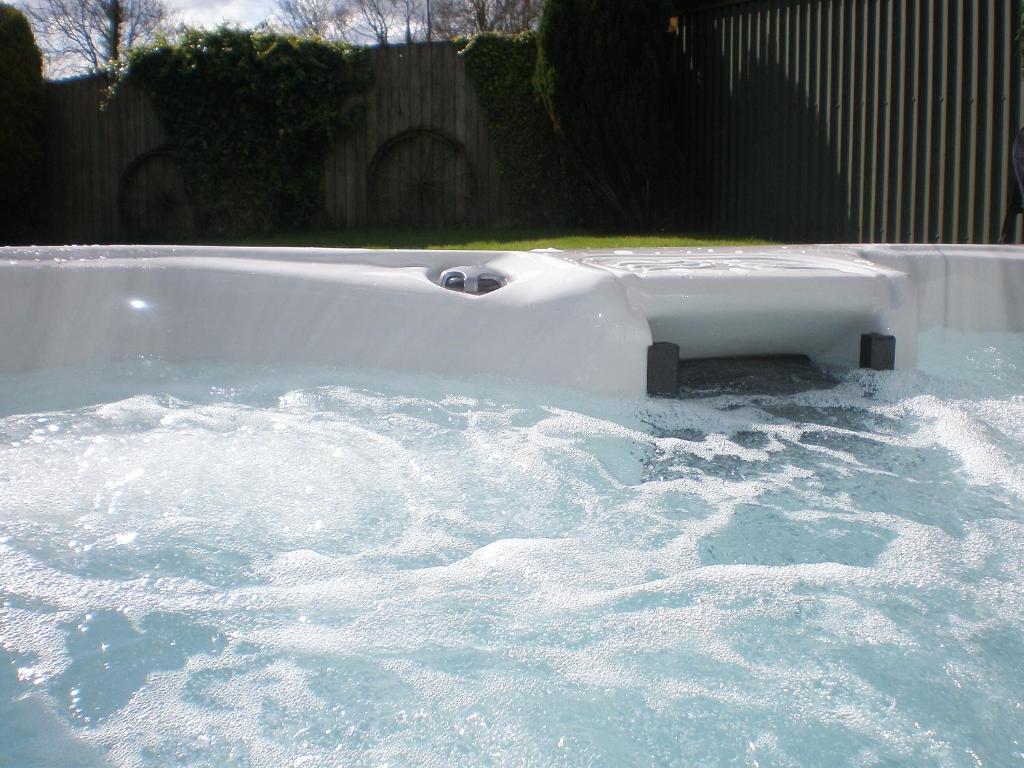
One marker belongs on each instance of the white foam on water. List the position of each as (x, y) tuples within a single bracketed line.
[(269, 568)]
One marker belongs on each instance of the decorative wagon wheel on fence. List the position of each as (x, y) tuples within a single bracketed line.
[(153, 203), (422, 178)]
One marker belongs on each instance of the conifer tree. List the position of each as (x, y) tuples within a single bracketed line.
[(21, 94), (606, 72)]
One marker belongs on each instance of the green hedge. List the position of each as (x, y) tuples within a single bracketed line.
[(542, 186), (21, 123), (251, 116)]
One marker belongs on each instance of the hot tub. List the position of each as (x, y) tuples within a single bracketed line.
[(581, 320), (316, 509)]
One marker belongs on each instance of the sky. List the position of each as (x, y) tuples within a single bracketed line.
[(210, 13)]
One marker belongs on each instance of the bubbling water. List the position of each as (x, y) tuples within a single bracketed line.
[(224, 566)]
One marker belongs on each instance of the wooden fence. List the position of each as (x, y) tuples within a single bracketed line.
[(88, 152), (810, 120), (421, 157)]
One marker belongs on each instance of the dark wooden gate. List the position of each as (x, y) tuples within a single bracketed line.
[(153, 202), (422, 178)]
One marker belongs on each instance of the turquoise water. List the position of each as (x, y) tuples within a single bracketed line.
[(241, 567)]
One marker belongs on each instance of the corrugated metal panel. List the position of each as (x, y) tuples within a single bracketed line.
[(867, 120)]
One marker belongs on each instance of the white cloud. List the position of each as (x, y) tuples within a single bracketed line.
[(210, 13)]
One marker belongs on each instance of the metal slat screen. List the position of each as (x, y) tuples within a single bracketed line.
[(853, 120)]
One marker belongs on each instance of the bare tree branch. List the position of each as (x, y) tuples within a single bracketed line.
[(328, 19), (87, 34), (376, 18), (378, 21), (407, 11), (468, 17)]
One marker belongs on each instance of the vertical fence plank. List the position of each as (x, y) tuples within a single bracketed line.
[(458, 114), (718, 115), (884, 122), (949, 106), (859, 137), (914, 46), (837, 113), (805, 225), (964, 101), (937, 138), (903, 134), (931, 104), (819, 72), (1005, 71), (977, 139), (991, 119)]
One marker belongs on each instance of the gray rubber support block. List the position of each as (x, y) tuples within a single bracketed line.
[(663, 369), (877, 351)]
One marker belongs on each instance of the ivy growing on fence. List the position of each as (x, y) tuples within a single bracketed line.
[(535, 171), (251, 117)]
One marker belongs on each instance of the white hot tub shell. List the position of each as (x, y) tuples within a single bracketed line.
[(581, 320)]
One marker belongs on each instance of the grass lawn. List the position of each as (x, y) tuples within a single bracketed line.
[(489, 239)]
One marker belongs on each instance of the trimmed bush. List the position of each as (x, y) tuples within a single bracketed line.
[(606, 72), (251, 116), (21, 122)]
